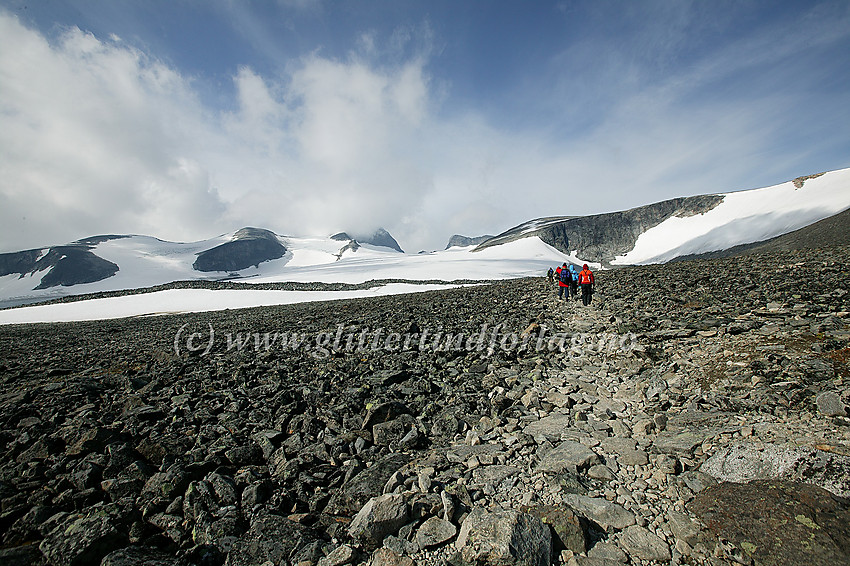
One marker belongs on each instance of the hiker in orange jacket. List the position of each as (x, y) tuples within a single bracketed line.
[(585, 279)]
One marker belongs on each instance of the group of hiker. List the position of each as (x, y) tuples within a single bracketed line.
[(569, 280)]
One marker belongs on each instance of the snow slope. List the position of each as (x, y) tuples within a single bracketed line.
[(174, 301), (146, 262), (744, 217)]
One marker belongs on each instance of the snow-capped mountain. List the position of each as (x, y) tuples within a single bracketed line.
[(684, 226), (250, 255), (658, 232)]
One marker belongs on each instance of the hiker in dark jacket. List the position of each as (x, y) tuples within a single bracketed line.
[(551, 275), (563, 282), (585, 279)]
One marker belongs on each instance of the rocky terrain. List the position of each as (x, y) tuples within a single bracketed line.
[(695, 413)]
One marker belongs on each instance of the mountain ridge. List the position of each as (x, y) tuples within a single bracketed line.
[(682, 227)]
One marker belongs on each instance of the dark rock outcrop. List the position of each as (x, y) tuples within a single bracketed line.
[(249, 247), (602, 237), (72, 266), (67, 265), (379, 237), (464, 241)]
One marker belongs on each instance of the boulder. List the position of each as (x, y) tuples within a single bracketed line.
[(271, 537), (381, 516), (83, 538), (777, 522), (604, 513), (643, 544), (568, 456), (744, 462), (435, 531), (568, 529), (354, 493), (503, 538)]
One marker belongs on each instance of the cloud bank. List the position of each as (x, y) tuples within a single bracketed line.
[(99, 136)]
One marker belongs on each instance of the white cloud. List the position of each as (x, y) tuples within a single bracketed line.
[(100, 137)]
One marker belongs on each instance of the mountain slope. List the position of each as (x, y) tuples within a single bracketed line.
[(464, 241), (664, 230), (249, 246)]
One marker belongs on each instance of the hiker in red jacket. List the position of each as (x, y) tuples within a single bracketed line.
[(563, 282), (585, 279)]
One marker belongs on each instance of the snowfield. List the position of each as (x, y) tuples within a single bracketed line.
[(744, 217), (153, 262), (175, 301)]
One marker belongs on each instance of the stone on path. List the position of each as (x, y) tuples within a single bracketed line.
[(568, 456), (829, 403), (601, 511), (381, 516), (643, 544), (503, 538), (550, 427), (435, 531)]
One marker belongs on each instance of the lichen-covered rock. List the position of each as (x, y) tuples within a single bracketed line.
[(271, 537), (83, 538), (779, 523), (141, 556)]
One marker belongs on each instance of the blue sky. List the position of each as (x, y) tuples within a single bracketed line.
[(187, 119)]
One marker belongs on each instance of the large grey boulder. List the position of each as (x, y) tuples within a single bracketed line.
[(643, 544), (83, 538), (503, 538), (604, 513), (745, 462), (381, 516), (568, 456)]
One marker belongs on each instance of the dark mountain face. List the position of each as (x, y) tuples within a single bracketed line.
[(463, 241), (70, 265), (67, 265), (602, 237), (381, 238), (249, 247)]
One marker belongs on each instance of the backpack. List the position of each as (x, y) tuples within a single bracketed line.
[(584, 277), (565, 276)]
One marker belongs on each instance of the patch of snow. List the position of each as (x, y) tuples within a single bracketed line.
[(174, 301), (744, 217)]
